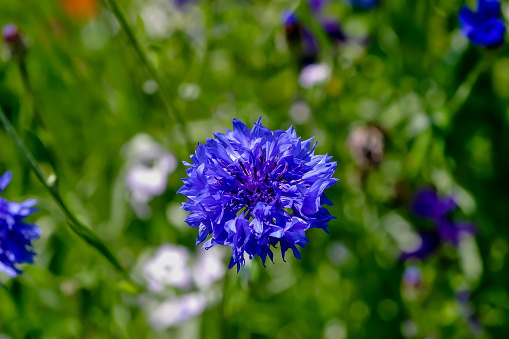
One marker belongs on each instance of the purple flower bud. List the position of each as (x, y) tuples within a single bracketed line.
[(14, 41), (10, 34), (412, 276)]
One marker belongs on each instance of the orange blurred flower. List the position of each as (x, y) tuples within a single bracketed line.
[(80, 9)]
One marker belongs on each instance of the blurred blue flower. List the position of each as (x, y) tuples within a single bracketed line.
[(300, 38), (484, 27), (252, 189), (334, 30), (427, 204), (429, 242), (331, 25), (289, 17), (365, 4), (462, 296), (15, 234), (452, 230), (317, 5), (412, 276), (182, 3)]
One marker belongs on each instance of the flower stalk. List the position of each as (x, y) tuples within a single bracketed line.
[(77, 227), (165, 92), (463, 92)]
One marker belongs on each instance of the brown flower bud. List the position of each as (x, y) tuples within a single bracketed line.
[(366, 144)]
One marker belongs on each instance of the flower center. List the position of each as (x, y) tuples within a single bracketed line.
[(252, 181)]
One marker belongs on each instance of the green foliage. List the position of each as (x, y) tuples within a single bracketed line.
[(87, 86)]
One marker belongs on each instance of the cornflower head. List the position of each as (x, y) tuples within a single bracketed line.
[(484, 27), (15, 235), (253, 189)]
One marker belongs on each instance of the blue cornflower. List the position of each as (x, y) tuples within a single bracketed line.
[(484, 27), (253, 189), (15, 234)]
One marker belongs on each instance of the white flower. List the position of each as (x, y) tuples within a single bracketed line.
[(177, 310), (169, 267), (314, 74), (194, 278), (209, 267), (148, 167)]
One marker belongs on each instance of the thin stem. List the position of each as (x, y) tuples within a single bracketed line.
[(463, 92), (83, 232), (165, 89)]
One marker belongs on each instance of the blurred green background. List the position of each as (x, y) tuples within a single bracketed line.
[(81, 93)]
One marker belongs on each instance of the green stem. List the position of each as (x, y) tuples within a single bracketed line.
[(463, 92), (165, 89), (83, 232)]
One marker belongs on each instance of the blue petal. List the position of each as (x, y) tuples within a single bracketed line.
[(5, 180)]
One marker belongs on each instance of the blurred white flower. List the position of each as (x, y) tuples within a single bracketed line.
[(156, 20), (314, 74), (209, 267), (300, 112), (148, 167), (338, 253), (193, 276), (189, 92), (175, 311), (169, 267)]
